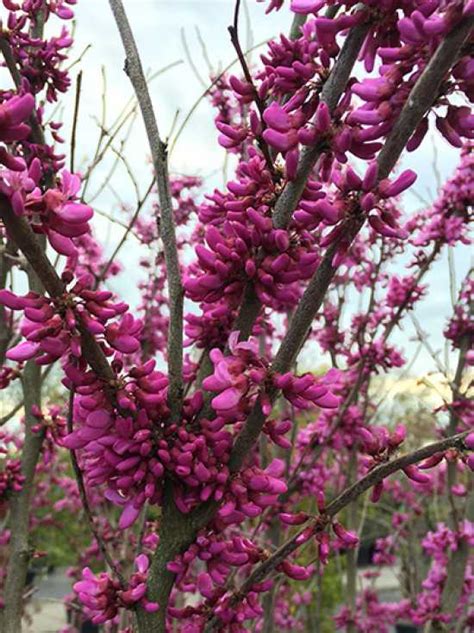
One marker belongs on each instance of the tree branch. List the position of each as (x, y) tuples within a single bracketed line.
[(166, 228), (458, 559), (21, 233), (346, 497), (176, 531), (412, 113), (20, 546)]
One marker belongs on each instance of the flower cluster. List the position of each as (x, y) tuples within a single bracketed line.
[(460, 327), (242, 245), (447, 220), (438, 544), (11, 477), (52, 327), (237, 377), (103, 596)]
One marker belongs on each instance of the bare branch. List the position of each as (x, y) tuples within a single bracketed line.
[(134, 70), (128, 229), (75, 119)]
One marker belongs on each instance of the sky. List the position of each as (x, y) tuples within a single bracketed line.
[(187, 34)]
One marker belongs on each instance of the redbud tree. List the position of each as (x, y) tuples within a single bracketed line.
[(218, 481)]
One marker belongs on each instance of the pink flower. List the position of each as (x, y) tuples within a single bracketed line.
[(13, 113)]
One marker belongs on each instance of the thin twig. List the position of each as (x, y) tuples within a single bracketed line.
[(6, 418), (202, 44), (85, 502), (108, 177), (189, 58), (126, 233), (79, 58), (75, 119), (204, 94)]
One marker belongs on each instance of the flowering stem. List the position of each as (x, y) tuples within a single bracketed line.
[(288, 200), (298, 21), (21, 233), (416, 106), (423, 95), (177, 532), (350, 494), (315, 292), (421, 273), (37, 134), (330, 94), (166, 228), (7, 53)]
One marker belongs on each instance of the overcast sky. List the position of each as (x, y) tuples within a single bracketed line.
[(160, 29)]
